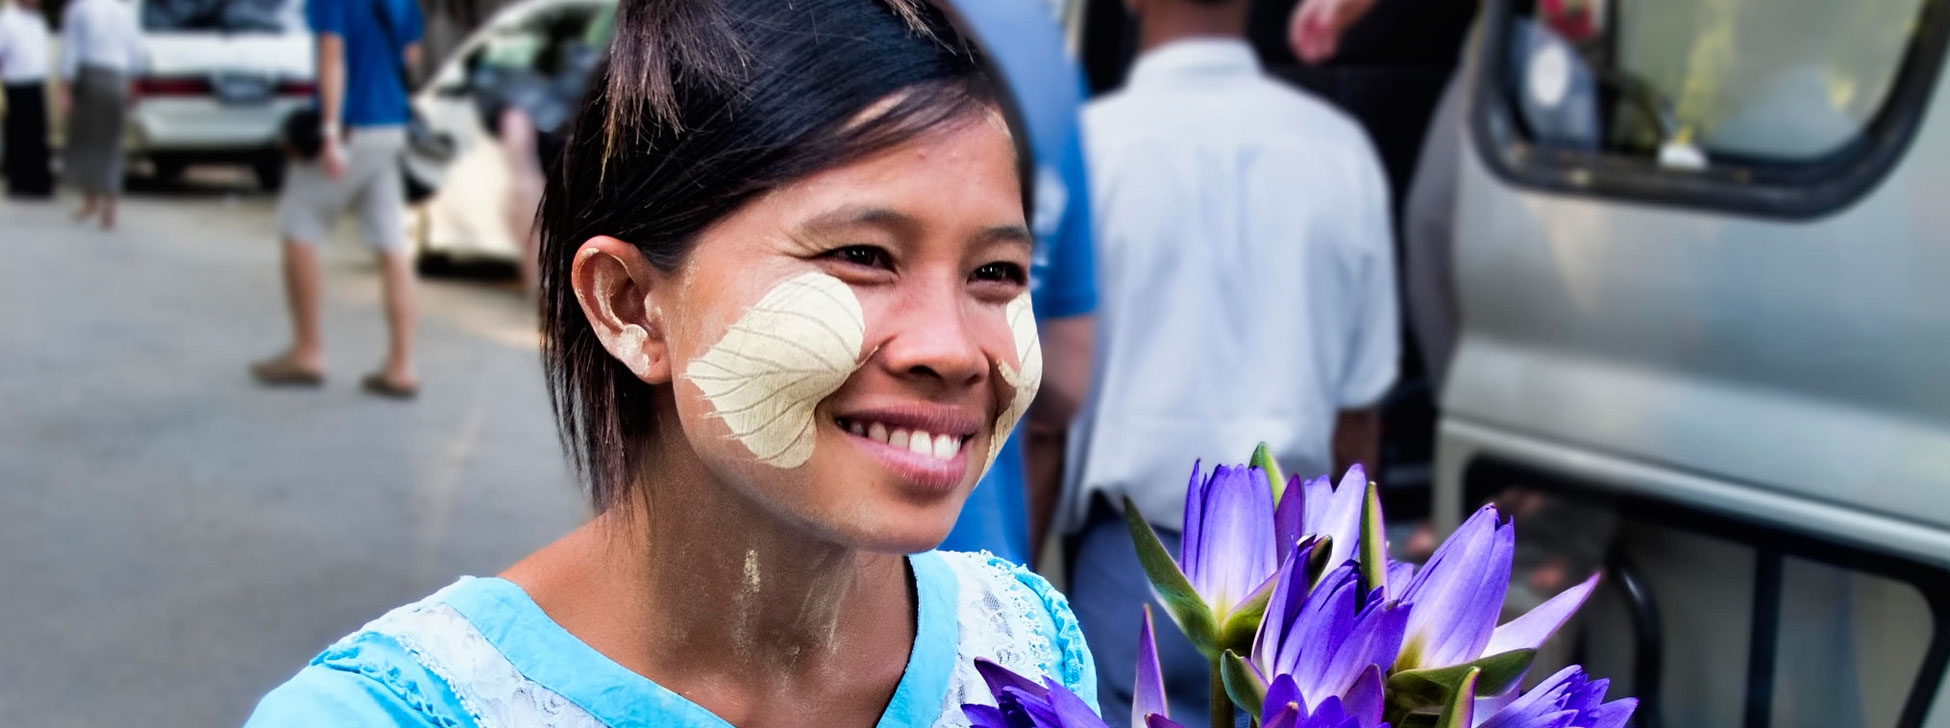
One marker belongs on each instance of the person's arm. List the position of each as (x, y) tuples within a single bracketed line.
[(70, 60), (412, 55), (1315, 28), (1068, 350), (1357, 439), (331, 101)]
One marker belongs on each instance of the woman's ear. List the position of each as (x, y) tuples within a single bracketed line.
[(612, 282)]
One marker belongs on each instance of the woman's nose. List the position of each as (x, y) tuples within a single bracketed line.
[(933, 335)]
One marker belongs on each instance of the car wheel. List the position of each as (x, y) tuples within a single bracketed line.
[(269, 173)]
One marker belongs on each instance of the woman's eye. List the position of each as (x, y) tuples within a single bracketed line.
[(1005, 272), (863, 255)]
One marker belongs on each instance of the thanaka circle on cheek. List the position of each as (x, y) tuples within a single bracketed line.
[(797, 345), (1021, 318)]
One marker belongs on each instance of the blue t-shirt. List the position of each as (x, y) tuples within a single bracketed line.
[(482, 654), (375, 95), (1062, 283)]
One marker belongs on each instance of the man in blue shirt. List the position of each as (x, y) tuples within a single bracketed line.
[(364, 48), (1009, 511)]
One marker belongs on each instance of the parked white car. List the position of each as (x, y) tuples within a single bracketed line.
[(468, 219), (218, 79)]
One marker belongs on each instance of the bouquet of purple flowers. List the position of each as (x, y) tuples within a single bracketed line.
[(1287, 589)]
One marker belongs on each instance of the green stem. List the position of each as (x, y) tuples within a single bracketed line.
[(1221, 703)]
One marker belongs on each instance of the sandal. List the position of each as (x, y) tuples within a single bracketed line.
[(281, 372), (375, 383)]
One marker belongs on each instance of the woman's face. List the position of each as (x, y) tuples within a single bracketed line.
[(849, 350)]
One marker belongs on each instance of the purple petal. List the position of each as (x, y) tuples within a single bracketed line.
[(1459, 594), (1530, 630), (1189, 551), (999, 678), (1289, 516), (1071, 711), (984, 716), (1283, 607), (1236, 546), (1039, 713), (1324, 622), (1539, 703), (1587, 696), (1148, 694), (1159, 721), (1364, 700), (1375, 639), (1280, 692), (1287, 716), (1610, 715), (1336, 513), (1399, 574)]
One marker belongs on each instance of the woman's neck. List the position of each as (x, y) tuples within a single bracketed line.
[(707, 593)]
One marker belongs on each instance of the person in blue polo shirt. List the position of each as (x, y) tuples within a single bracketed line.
[(364, 49)]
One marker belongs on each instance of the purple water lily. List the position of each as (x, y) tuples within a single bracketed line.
[(1458, 597), (1332, 641), (1228, 551), (1148, 690), (1023, 703), (1286, 708), (1567, 699), (1318, 508)]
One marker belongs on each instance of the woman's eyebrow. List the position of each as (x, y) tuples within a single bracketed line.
[(901, 223), (852, 215), (1006, 234)]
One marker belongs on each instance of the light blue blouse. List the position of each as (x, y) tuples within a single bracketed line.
[(481, 654)]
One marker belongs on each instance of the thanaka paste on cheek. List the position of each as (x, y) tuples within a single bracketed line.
[(789, 351), (1029, 353)]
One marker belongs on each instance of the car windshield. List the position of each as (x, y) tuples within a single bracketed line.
[(223, 16)]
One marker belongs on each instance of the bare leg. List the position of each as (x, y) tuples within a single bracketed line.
[(88, 203), (397, 281), (301, 291), (108, 212)]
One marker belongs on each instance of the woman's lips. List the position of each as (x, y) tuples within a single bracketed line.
[(934, 462)]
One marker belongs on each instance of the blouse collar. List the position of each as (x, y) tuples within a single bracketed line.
[(547, 654)]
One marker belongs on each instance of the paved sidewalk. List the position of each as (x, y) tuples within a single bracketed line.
[(174, 541)]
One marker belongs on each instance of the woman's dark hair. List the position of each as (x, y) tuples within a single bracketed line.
[(699, 107)]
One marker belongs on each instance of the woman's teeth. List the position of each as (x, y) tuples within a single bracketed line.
[(940, 447)]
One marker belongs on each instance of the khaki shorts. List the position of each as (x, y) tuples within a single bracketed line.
[(311, 203)]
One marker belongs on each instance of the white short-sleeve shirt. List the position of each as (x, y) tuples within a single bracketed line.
[(1246, 274), (23, 45), (101, 33)]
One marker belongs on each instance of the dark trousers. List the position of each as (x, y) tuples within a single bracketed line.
[(25, 163), (1107, 591)]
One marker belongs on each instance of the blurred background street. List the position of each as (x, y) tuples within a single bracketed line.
[(175, 539)]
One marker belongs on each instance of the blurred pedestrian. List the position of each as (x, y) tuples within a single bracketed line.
[(1009, 512), (526, 104), (101, 49), (1247, 284), (363, 47), (23, 68)]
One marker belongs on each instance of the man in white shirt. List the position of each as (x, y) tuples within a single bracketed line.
[(1247, 294), (23, 69)]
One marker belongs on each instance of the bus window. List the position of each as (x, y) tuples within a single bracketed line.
[(1757, 93)]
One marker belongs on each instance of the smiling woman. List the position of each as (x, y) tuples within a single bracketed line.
[(785, 307)]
